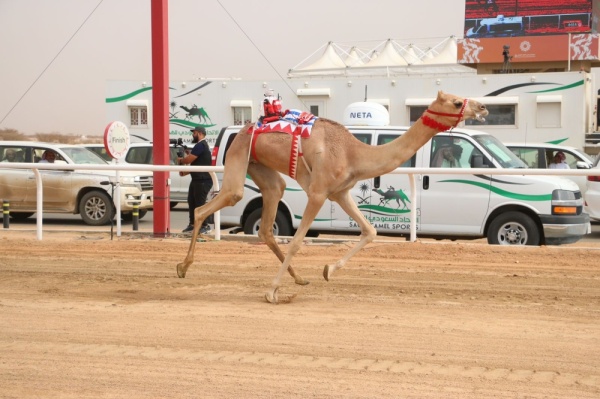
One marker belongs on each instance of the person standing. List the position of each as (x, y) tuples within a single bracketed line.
[(201, 182)]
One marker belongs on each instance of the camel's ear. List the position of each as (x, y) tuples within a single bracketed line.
[(440, 95)]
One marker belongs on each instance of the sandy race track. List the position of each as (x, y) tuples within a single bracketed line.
[(82, 316)]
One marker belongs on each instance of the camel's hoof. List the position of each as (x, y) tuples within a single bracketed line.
[(301, 281), (326, 273), (271, 296), (181, 270)]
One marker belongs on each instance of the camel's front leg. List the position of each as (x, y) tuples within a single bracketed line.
[(200, 214), (315, 202), (367, 232)]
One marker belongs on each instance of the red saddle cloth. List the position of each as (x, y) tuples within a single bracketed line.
[(297, 124)]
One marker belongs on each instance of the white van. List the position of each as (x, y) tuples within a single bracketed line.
[(509, 210)]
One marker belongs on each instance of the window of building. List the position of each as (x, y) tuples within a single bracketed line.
[(500, 115), (242, 115), (138, 116), (503, 110), (415, 112), (242, 111)]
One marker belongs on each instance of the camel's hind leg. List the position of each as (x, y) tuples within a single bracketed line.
[(231, 192), (367, 232), (315, 202), (271, 186)]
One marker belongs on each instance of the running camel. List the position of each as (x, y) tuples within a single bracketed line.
[(334, 161)]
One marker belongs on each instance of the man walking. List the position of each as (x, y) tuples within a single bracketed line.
[(201, 181)]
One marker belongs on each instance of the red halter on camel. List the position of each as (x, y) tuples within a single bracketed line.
[(432, 123)]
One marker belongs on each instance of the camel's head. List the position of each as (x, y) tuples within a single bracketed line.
[(449, 110)]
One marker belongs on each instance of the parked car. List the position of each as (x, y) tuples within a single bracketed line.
[(540, 156), (507, 209), (84, 192), (592, 194), (142, 153)]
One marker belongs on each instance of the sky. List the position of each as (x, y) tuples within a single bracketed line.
[(56, 56)]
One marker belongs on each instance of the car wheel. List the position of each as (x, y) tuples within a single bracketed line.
[(281, 226), (96, 208), (513, 228), (20, 215)]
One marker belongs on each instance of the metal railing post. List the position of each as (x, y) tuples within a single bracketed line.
[(6, 213), (135, 216)]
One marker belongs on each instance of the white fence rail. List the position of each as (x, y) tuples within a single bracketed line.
[(36, 167), (413, 174)]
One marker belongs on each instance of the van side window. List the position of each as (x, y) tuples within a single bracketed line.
[(531, 157), (364, 137), (12, 154), (386, 138), (450, 152), (570, 159), (38, 154)]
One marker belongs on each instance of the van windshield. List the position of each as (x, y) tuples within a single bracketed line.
[(505, 157)]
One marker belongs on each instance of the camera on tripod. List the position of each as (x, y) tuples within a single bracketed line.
[(179, 143)]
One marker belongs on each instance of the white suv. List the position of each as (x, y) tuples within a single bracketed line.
[(84, 192), (592, 194), (540, 156)]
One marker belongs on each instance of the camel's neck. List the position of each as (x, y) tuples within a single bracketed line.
[(409, 143), (385, 158)]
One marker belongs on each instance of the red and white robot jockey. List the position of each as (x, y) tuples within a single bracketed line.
[(272, 110)]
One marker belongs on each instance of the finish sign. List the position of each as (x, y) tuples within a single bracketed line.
[(116, 139)]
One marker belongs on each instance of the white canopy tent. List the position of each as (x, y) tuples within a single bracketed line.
[(389, 56), (386, 58), (447, 55)]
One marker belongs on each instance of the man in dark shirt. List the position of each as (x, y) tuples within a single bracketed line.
[(201, 181)]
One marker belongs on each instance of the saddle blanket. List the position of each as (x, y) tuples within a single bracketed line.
[(294, 122)]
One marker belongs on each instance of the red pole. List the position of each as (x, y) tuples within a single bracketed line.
[(160, 112)]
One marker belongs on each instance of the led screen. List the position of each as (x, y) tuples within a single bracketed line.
[(510, 18)]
